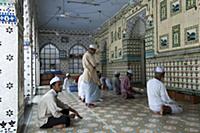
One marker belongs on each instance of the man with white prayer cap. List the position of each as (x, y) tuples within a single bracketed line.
[(116, 83), (51, 111), (158, 98), (68, 81), (90, 80), (126, 86)]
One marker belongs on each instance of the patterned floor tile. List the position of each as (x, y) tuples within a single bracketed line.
[(116, 115)]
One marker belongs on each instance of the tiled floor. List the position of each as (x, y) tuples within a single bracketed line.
[(116, 115)]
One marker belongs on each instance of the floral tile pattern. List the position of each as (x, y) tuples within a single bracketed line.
[(116, 115)]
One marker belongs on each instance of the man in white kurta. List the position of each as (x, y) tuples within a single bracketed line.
[(80, 89), (51, 111), (90, 81), (67, 82), (158, 98)]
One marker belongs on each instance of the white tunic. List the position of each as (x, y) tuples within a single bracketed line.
[(48, 106), (158, 96), (80, 88), (67, 83)]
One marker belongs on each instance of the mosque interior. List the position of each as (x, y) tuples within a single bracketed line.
[(43, 38)]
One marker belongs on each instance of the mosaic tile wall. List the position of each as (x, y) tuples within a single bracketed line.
[(132, 54), (182, 73), (74, 38), (149, 43), (11, 67)]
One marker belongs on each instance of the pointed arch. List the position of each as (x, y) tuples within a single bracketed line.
[(75, 63), (49, 58)]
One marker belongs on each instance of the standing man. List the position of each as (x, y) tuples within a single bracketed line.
[(158, 99), (116, 83), (80, 89), (51, 111), (126, 86), (90, 81)]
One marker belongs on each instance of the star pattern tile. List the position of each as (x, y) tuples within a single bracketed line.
[(9, 30), (9, 85), (9, 113), (9, 57)]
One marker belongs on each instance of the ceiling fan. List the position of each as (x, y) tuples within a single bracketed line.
[(65, 14), (87, 2)]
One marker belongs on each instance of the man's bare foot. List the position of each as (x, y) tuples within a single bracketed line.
[(72, 116), (59, 126)]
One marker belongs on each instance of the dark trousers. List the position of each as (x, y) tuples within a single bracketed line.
[(63, 119)]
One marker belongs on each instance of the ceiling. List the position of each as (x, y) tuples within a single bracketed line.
[(84, 14)]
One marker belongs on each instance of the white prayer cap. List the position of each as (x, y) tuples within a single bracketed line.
[(55, 79), (67, 74), (116, 72), (130, 71), (159, 69), (93, 46)]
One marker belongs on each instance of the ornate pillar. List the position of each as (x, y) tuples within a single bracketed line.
[(11, 66), (28, 86)]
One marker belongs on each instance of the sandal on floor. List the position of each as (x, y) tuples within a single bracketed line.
[(90, 105)]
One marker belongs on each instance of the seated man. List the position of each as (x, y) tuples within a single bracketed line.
[(126, 87), (158, 99), (68, 82), (109, 84), (103, 83), (116, 83), (51, 111)]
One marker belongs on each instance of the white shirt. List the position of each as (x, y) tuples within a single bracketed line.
[(49, 106), (157, 94), (67, 83)]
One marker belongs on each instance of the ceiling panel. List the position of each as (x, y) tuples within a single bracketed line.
[(50, 12)]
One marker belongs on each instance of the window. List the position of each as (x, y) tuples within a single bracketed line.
[(164, 41), (119, 33), (175, 7), (190, 4), (191, 35), (163, 10), (176, 36), (120, 52), (115, 52), (112, 54), (115, 36), (49, 58), (111, 36), (75, 63)]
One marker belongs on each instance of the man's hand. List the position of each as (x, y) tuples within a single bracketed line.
[(76, 113), (80, 117)]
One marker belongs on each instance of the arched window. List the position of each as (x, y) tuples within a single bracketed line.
[(75, 63), (49, 58)]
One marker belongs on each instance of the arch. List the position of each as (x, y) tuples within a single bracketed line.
[(43, 45), (49, 58), (76, 45), (75, 63)]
